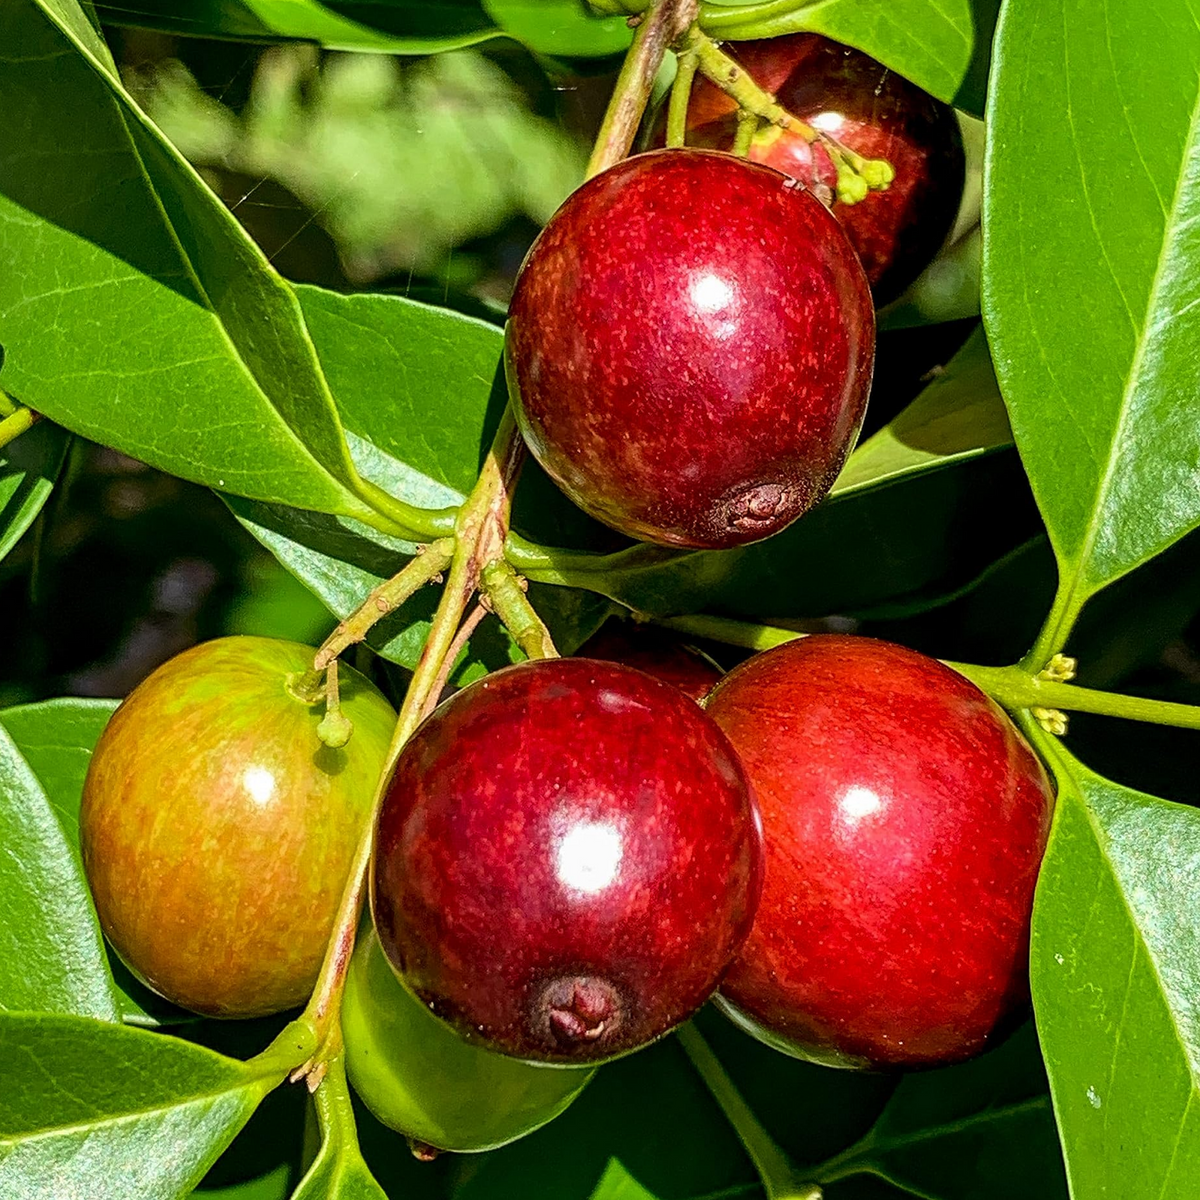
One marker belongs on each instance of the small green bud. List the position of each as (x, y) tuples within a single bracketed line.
[(335, 729)]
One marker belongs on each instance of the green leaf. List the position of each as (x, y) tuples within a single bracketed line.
[(939, 44), (49, 937), (957, 417), (420, 425), (112, 1113), (561, 27), (617, 1184), (388, 26), (338, 1172), (1116, 974), (912, 541), (983, 1130), (56, 738), (421, 384), (1090, 292), (202, 365), (29, 467)]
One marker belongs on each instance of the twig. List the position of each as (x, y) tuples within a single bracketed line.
[(426, 566), (663, 25)]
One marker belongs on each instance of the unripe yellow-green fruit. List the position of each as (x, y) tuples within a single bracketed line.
[(217, 829), (419, 1077)]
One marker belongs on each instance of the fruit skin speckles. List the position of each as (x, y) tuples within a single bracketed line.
[(217, 830), (689, 349), (905, 819), (567, 858)]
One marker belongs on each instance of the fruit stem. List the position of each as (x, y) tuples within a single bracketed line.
[(339, 1133), (479, 538), (729, 631), (681, 95), (425, 567), (15, 424), (746, 129), (1015, 689), (297, 1041), (505, 592), (335, 727), (7, 404), (856, 176), (461, 638), (664, 23), (773, 1167)]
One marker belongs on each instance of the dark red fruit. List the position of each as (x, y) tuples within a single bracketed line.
[(656, 651), (904, 819), (567, 858), (874, 112), (689, 349)]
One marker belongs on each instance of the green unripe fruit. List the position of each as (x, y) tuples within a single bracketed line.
[(217, 830), (419, 1077)]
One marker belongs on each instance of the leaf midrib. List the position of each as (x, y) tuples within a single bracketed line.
[(124, 110), (1080, 581), (133, 1115)]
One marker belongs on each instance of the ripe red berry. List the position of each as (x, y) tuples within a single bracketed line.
[(656, 651), (904, 821), (567, 858), (217, 830), (689, 349), (874, 112)]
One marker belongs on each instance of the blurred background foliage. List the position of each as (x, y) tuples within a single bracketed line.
[(430, 177)]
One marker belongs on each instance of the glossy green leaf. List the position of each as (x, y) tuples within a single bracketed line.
[(419, 424), (29, 467), (388, 26), (1090, 289), (958, 416), (111, 1113), (1116, 976), (983, 1130), (49, 939), (913, 541), (422, 384), (338, 1172), (939, 44), (202, 365), (618, 1184), (272, 1185), (561, 27), (56, 738)]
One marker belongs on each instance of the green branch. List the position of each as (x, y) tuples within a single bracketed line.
[(773, 1166), (16, 424), (1013, 687)]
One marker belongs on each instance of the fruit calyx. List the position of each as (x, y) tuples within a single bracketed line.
[(582, 1009)]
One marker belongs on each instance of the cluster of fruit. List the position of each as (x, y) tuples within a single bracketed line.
[(839, 841)]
